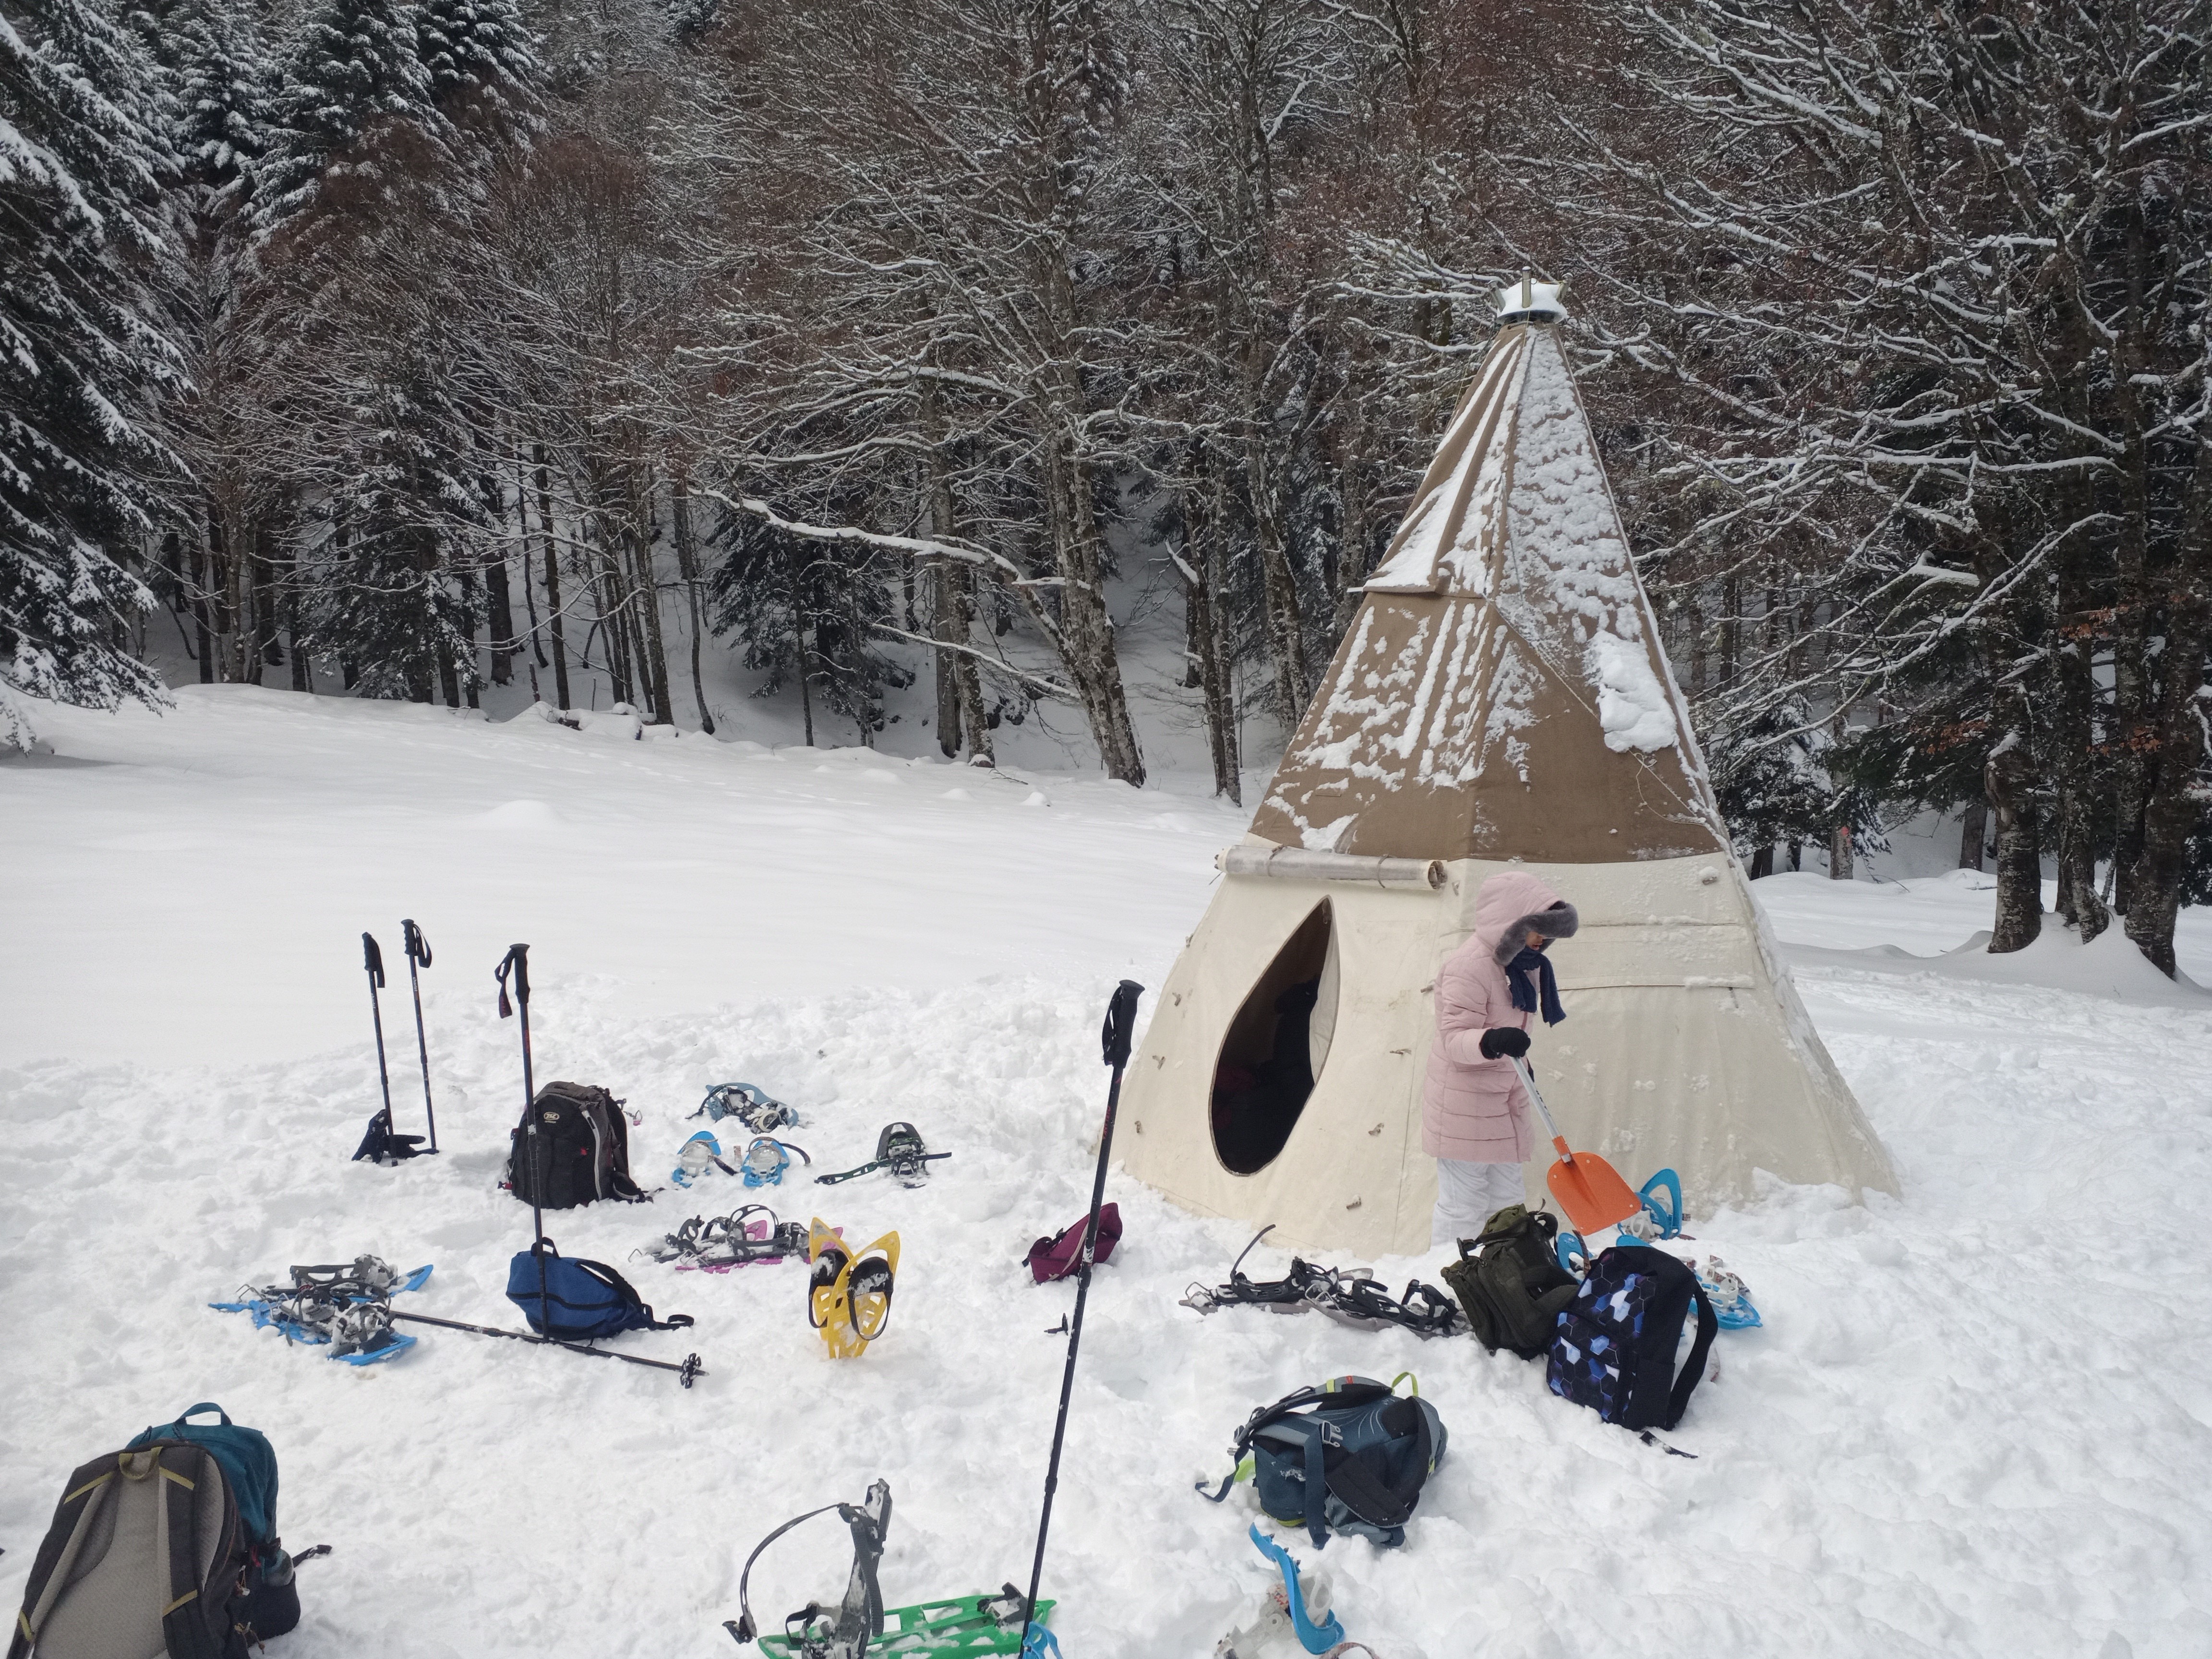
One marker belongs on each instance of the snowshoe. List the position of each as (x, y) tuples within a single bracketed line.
[(966, 1627), (1313, 1638), (1724, 1289), (766, 1160), (749, 1104), (1662, 1205), (1574, 1255), (701, 1150), (849, 1295), (1353, 1297), (345, 1307), (899, 1149)]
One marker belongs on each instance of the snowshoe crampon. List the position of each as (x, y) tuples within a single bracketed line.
[(848, 1295)]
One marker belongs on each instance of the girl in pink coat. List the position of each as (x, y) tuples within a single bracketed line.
[(1474, 1113)]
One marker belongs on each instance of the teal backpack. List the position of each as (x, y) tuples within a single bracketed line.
[(1366, 1450)]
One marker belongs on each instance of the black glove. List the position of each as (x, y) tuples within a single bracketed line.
[(1504, 1041)]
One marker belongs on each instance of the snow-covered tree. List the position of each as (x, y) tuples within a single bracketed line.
[(81, 352), (354, 72)]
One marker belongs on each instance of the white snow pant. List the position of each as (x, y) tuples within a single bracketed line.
[(1468, 1194)]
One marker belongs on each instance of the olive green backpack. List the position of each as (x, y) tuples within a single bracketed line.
[(1510, 1282)]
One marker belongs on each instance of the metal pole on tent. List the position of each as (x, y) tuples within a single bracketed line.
[(372, 959), (418, 951), (1113, 1039), (517, 962)]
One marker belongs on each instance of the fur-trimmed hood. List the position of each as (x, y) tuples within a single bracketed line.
[(1510, 904)]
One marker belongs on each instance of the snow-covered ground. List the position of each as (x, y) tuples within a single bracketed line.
[(1977, 1422)]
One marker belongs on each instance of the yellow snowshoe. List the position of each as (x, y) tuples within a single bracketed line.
[(848, 1295)]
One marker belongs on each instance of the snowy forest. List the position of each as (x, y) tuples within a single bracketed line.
[(399, 348)]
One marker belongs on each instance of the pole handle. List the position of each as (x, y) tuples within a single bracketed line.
[(1121, 1023), (517, 962), (372, 959), (411, 941)]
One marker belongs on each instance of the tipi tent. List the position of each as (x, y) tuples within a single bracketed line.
[(1501, 697)]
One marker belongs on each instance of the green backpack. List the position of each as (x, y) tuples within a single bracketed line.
[(1510, 1282)]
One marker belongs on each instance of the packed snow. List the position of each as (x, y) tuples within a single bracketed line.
[(1976, 1422)]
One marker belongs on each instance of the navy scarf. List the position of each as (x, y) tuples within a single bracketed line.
[(1524, 995)]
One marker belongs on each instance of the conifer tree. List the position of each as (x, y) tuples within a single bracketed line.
[(223, 86), (481, 58), (80, 159), (355, 69)]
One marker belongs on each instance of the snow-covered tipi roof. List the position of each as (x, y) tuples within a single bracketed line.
[(1501, 698), (1502, 692)]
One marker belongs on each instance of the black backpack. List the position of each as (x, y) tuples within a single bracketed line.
[(1510, 1282), (1367, 1448), (1614, 1348), (168, 1547), (583, 1149)]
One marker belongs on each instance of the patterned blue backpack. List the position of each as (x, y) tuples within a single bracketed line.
[(1613, 1350)]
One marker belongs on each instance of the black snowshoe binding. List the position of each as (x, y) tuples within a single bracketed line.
[(899, 1149), (1352, 1296), (749, 1104), (379, 1145), (731, 1241)]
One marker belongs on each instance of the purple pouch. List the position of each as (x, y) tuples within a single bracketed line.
[(1060, 1255)]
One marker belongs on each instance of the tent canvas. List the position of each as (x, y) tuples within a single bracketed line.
[(1501, 697)]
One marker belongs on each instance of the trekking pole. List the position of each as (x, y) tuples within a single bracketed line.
[(517, 962), (418, 951), (1113, 1039), (372, 959), (690, 1369)]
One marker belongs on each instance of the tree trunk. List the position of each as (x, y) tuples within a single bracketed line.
[(2073, 744), (2008, 779), (1086, 628), (1840, 853), (1279, 586), (200, 604), (943, 628), (501, 617), (269, 651), (554, 620), (1973, 832), (687, 567), (1762, 861), (646, 607), (1202, 582), (798, 648), (2174, 806)]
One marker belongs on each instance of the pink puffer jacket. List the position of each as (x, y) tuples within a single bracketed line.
[(1474, 1108)]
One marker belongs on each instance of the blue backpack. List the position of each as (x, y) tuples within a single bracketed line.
[(581, 1301), (1366, 1450), (1615, 1348)]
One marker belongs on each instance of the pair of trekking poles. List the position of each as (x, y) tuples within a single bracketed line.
[(418, 956)]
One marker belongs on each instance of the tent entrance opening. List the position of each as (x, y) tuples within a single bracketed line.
[(1275, 1048)]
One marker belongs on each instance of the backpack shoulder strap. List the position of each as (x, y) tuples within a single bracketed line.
[(1366, 1496), (1693, 1369), (52, 1567), (615, 1282)]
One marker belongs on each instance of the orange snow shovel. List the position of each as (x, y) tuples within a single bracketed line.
[(1589, 1190)]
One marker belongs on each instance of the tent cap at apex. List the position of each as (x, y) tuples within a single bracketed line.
[(1530, 301)]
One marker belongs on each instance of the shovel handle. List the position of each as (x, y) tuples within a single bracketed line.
[(1528, 1075)]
